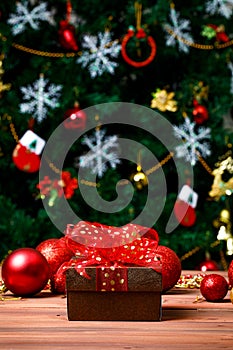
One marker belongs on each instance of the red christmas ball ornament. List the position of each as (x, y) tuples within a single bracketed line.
[(208, 265), (25, 272), (58, 283), (25, 160), (56, 253), (75, 118), (184, 213), (171, 267), (200, 113), (214, 287), (67, 36), (230, 274)]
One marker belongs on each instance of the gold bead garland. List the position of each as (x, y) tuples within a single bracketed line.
[(197, 45), (93, 184), (45, 53), (200, 46)]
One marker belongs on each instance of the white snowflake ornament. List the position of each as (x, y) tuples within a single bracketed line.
[(39, 97), (178, 31), (222, 7), (24, 16), (193, 144), (101, 152), (99, 51)]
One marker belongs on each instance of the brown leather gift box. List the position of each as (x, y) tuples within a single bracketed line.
[(90, 300)]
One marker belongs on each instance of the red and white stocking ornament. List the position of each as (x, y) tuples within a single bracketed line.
[(184, 208), (26, 154)]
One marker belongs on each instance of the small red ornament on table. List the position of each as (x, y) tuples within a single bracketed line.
[(214, 287), (25, 272), (171, 267), (230, 274), (58, 283), (56, 253)]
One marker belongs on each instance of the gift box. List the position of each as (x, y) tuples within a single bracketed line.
[(114, 294), (115, 274)]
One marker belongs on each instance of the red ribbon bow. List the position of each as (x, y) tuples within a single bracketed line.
[(95, 244)]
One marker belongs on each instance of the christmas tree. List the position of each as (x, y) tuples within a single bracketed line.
[(174, 60)]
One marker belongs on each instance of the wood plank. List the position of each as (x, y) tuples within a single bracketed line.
[(41, 323)]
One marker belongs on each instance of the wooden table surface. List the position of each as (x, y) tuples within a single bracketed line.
[(41, 322)]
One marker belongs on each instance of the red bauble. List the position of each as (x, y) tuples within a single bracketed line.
[(25, 160), (171, 267), (67, 36), (200, 113), (75, 118), (184, 213), (214, 287), (58, 283), (208, 265), (25, 272), (230, 274), (56, 253)]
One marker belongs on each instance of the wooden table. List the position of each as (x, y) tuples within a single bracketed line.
[(41, 323)]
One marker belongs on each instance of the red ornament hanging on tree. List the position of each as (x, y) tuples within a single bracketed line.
[(25, 272), (67, 31), (208, 265), (200, 113), (75, 118)]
